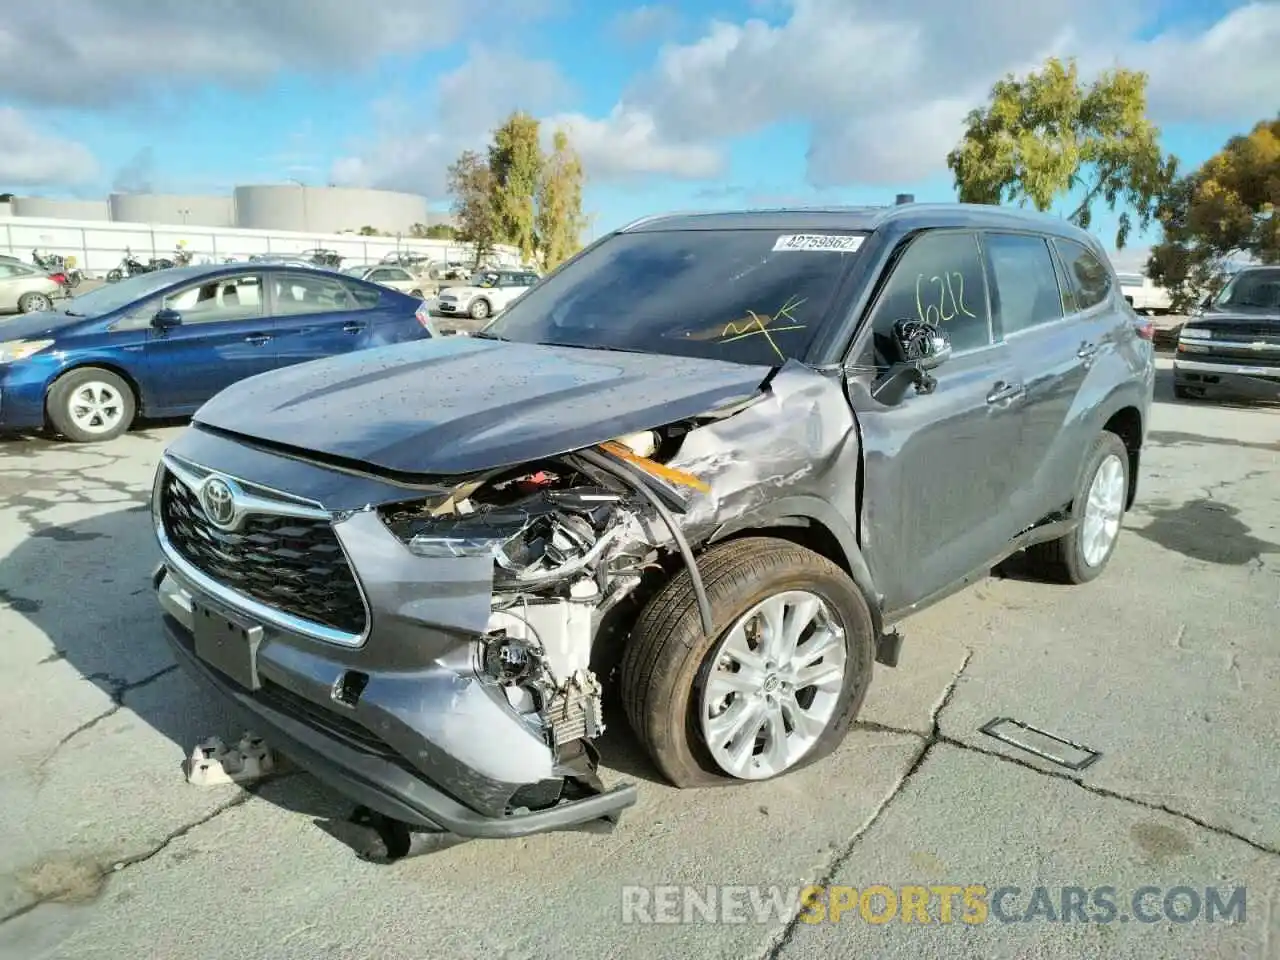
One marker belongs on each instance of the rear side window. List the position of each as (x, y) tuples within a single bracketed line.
[(364, 297), (1026, 281), (1088, 276), (938, 279)]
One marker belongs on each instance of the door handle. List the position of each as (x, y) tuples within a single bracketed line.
[(1004, 392), (1087, 351), (352, 327), (258, 339)]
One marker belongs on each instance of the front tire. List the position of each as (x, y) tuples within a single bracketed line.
[(779, 685), (115, 275), (416, 293), (479, 310), (90, 405), (1099, 504)]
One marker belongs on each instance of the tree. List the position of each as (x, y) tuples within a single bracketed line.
[(1224, 211), (559, 220), (515, 166), (442, 231), (1046, 135), (471, 187), (369, 232)]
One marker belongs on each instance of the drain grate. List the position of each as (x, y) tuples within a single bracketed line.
[(1041, 743)]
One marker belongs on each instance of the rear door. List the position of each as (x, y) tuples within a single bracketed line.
[(318, 315), (937, 476), (225, 336), (1056, 328)]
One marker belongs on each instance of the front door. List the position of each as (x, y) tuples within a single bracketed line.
[(224, 336), (937, 476)]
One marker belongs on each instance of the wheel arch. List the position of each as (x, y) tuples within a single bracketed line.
[(91, 364), (1126, 423), (815, 524)]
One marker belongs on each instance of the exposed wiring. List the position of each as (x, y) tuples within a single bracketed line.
[(633, 479)]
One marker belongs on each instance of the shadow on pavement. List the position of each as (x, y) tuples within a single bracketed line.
[(86, 585)]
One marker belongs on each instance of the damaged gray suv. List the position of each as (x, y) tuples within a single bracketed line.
[(694, 477)]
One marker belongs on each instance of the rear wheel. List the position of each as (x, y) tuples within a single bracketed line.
[(34, 302), (1083, 553), (775, 689), (90, 404), (416, 293)]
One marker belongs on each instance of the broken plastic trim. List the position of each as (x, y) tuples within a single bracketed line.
[(1023, 736), (630, 476)]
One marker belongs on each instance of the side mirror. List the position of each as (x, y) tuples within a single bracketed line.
[(166, 319), (922, 343), (1206, 302)]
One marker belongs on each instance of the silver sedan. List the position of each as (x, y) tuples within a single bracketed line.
[(26, 289)]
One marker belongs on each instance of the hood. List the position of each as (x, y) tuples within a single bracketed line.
[(462, 290), (45, 325), (455, 405), (1245, 321)]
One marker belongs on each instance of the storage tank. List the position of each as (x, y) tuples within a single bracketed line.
[(304, 209), (49, 208), (172, 208)]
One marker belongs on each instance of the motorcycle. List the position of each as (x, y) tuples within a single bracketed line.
[(60, 269), (131, 266)]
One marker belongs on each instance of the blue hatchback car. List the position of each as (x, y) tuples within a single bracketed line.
[(161, 344)]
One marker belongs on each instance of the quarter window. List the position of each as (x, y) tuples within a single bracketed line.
[(938, 279), (1089, 277), (1026, 281)]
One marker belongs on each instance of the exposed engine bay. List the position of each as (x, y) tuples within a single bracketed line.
[(568, 543)]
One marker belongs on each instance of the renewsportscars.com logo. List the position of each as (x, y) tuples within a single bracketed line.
[(973, 904)]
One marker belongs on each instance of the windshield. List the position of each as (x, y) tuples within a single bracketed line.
[(747, 296), (1252, 288), (112, 296)]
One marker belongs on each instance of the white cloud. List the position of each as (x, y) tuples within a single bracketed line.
[(884, 89), (95, 52), (1227, 74), (627, 144), (419, 141), (31, 158), (645, 22)]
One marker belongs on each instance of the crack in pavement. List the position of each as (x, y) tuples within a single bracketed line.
[(248, 792), (928, 741), (933, 738), (117, 688)]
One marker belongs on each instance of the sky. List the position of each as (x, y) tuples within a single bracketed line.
[(700, 104)]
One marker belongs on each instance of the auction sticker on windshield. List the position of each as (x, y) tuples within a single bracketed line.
[(818, 242)]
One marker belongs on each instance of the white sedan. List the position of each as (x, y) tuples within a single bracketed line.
[(486, 293), (397, 278)]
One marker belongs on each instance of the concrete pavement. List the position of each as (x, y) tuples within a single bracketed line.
[(1168, 666)]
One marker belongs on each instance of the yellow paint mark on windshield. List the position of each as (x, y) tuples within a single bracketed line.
[(756, 326)]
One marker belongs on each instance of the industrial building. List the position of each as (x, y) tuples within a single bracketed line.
[(292, 207)]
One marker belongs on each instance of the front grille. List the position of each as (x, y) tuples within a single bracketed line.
[(291, 564)]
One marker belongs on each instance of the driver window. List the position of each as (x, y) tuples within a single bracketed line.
[(940, 279), (220, 300)]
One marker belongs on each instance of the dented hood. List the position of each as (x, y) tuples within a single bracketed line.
[(453, 405)]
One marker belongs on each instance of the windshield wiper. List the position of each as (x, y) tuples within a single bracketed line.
[(590, 346), (486, 335), (72, 313)]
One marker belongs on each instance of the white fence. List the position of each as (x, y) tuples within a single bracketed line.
[(98, 247)]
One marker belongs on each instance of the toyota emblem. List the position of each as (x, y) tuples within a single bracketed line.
[(219, 503)]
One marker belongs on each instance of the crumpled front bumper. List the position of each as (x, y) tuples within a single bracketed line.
[(383, 762)]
